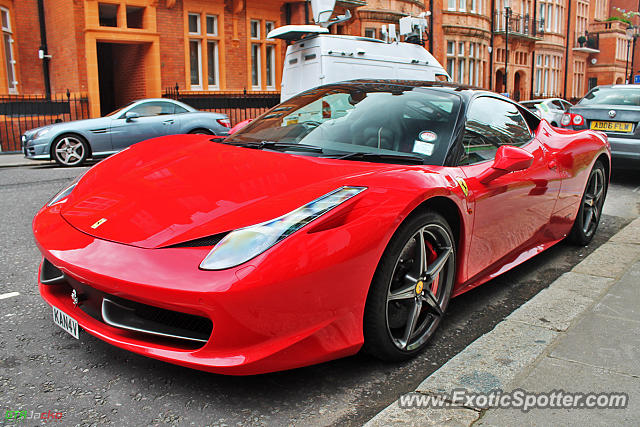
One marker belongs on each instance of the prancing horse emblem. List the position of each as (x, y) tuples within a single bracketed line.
[(74, 298), (98, 223)]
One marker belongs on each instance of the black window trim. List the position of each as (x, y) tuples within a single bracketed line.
[(489, 95)]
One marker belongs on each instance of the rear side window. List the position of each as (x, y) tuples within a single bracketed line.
[(492, 122)]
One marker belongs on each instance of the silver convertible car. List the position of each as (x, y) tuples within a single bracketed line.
[(71, 143)]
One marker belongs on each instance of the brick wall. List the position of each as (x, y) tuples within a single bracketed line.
[(171, 28), (27, 42), (64, 37), (129, 76)]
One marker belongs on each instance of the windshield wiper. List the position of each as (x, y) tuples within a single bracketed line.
[(273, 145), (391, 158)]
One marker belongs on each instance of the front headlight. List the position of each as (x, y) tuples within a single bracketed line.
[(41, 132), (243, 244)]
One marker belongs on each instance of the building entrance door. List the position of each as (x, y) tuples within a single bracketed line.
[(121, 74)]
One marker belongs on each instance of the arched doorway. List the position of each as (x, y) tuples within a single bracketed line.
[(516, 86), (619, 81), (499, 86)]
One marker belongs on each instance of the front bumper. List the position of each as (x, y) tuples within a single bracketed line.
[(36, 149), (290, 312)]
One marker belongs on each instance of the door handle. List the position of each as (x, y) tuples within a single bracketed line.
[(168, 122)]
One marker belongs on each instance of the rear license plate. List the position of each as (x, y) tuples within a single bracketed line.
[(612, 126), (66, 322)]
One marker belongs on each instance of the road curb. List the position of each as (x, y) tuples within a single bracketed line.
[(507, 353)]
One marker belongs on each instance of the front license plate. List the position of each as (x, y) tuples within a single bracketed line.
[(612, 126), (66, 322)]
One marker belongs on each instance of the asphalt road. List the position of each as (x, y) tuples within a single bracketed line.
[(90, 382)]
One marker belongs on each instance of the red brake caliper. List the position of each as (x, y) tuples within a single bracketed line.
[(431, 256)]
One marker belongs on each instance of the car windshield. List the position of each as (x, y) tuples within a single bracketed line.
[(374, 121), (612, 96)]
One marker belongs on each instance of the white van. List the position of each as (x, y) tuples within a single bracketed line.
[(323, 58)]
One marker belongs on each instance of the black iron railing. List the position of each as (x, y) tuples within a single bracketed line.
[(19, 113), (523, 25), (589, 40), (238, 106)]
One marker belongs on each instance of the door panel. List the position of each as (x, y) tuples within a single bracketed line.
[(156, 118), (512, 212), (124, 134)]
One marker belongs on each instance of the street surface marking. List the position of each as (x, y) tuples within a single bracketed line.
[(9, 295)]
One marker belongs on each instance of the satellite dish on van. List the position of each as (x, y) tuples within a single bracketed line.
[(322, 10)]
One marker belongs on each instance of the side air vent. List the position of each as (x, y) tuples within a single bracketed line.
[(98, 131), (50, 275), (201, 242)]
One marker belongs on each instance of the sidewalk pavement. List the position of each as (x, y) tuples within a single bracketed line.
[(581, 334), (12, 160)]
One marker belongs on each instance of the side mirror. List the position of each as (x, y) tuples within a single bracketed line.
[(131, 115), (508, 159)]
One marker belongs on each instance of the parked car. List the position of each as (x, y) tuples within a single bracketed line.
[(71, 143), (551, 109), (343, 218), (614, 110)]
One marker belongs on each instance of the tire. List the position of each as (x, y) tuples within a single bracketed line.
[(70, 150), (408, 298), (554, 124), (588, 218), (200, 132)]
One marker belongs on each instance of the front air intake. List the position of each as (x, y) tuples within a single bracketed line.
[(137, 317)]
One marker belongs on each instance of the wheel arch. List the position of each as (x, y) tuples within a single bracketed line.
[(606, 163), (450, 211), (201, 128)]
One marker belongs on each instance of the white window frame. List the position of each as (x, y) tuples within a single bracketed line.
[(216, 56), (462, 5), (198, 86), (215, 25), (199, 24), (451, 4), (268, 24), (273, 65), (11, 62), (452, 44), (258, 63), (452, 71), (257, 23)]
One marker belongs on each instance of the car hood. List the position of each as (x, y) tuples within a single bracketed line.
[(87, 124), (175, 189)]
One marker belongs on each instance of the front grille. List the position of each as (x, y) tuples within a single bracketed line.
[(144, 321)]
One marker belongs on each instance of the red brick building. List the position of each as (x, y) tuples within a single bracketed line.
[(119, 50)]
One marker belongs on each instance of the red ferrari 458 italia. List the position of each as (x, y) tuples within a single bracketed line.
[(343, 219)]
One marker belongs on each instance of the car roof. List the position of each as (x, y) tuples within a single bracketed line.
[(619, 86), (465, 91)]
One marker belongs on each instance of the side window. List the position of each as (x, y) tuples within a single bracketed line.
[(566, 105), (492, 122), (154, 108), (179, 109)]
